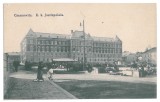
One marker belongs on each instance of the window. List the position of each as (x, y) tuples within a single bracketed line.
[(47, 48), (111, 51), (73, 49), (61, 49), (116, 50), (108, 45), (57, 49), (102, 50), (28, 48), (51, 48), (39, 42), (59, 43), (55, 42), (117, 45), (66, 49), (106, 51), (43, 48), (31, 48), (43, 42), (46, 42), (90, 49), (111, 45)]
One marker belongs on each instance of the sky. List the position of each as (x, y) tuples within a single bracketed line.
[(135, 24)]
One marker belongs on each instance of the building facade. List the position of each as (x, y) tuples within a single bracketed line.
[(150, 56), (38, 46), (129, 58)]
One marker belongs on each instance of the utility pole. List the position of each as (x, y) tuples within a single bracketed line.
[(84, 56)]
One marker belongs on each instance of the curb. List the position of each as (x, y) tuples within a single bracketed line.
[(64, 91)]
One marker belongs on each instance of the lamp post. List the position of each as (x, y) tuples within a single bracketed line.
[(84, 56)]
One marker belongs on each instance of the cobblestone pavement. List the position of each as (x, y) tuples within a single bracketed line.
[(89, 76), (28, 89), (25, 88), (106, 77)]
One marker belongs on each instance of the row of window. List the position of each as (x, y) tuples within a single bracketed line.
[(49, 42), (79, 59), (43, 42), (107, 50), (97, 50), (104, 45), (78, 49), (52, 54), (49, 49), (112, 45), (79, 43), (80, 54), (99, 55), (67, 49)]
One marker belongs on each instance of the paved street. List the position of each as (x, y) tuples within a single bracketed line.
[(106, 77), (25, 88), (88, 76)]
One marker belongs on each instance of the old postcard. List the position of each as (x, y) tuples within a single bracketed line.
[(80, 51)]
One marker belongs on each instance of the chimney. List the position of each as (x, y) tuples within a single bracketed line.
[(71, 31)]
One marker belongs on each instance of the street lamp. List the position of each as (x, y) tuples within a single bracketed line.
[(84, 47)]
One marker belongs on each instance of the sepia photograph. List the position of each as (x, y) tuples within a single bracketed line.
[(79, 51)]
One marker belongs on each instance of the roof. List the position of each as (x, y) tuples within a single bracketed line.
[(75, 35), (154, 49), (79, 34), (14, 53), (64, 60), (102, 39), (51, 35)]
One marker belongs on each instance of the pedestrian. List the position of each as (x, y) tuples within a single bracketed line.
[(16, 64), (40, 72), (50, 73)]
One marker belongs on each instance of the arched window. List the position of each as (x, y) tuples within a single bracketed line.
[(38, 48), (51, 48), (43, 48), (31, 48), (28, 48), (47, 48)]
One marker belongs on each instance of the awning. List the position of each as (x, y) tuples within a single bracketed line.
[(64, 60)]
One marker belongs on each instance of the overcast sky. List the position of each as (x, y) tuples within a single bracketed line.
[(134, 24)]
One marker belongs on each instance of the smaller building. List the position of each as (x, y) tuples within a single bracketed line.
[(150, 56), (128, 58)]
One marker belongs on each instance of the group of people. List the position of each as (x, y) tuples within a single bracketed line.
[(40, 72)]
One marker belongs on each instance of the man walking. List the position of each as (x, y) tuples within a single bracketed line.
[(40, 72)]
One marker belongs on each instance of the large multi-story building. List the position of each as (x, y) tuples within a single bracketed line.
[(38, 46)]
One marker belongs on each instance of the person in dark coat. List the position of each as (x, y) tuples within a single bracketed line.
[(16, 64), (40, 72)]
